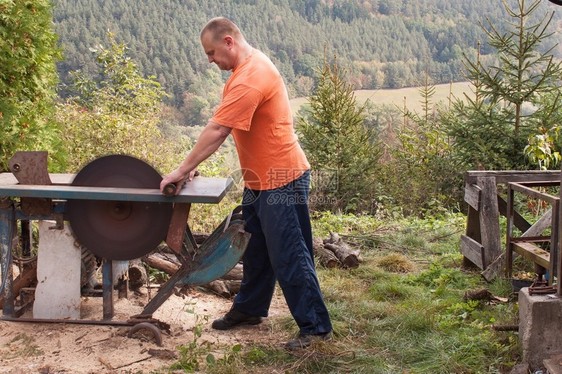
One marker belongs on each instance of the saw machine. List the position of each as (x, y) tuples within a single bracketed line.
[(116, 210)]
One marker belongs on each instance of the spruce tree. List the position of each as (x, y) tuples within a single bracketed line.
[(492, 130), (342, 150)]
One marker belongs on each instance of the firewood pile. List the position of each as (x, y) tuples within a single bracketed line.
[(334, 252)]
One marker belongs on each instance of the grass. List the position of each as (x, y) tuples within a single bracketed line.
[(401, 311), (402, 97)]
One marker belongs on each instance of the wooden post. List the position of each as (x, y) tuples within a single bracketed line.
[(470, 243), (489, 219)]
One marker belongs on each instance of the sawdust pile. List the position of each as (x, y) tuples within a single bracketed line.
[(84, 348)]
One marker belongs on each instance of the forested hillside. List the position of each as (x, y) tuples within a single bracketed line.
[(384, 43)]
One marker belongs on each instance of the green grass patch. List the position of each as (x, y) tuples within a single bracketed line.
[(402, 310)]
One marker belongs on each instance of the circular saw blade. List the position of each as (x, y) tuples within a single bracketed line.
[(118, 230)]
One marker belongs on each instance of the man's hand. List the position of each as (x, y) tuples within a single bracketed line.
[(173, 183), (212, 136)]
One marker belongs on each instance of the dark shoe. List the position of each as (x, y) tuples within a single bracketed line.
[(305, 341), (235, 318)]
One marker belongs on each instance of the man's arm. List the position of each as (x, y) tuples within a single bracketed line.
[(210, 139)]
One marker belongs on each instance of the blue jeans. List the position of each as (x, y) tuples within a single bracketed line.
[(281, 249)]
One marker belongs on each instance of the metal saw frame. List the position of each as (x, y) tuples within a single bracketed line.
[(226, 244)]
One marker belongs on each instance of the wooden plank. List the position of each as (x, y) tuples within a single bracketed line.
[(489, 219), (473, 224), (540, 183), (536, 229), (532, 252), (530, 191), (494, 269), (473, 251), (518, 220), (542, 224), (505, 176), (472, 195), (199, 190)]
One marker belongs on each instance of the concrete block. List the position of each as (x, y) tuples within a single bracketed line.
[(57, 295), (540, 327), (553, 365), (520, 369)]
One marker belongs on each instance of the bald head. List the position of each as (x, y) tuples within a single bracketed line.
[(219, 27), (224, 44)]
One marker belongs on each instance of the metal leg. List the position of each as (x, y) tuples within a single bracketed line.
[(25, 238), (7, 232), (107, 278), (165, 291)]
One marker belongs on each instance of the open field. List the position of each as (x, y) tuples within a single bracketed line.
[(404, 96)]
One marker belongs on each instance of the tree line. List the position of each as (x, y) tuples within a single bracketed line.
[(385, 43)]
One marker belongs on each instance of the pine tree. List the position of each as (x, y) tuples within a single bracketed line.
[(342, 151)]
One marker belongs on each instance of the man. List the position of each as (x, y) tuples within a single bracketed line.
[(255, 109)]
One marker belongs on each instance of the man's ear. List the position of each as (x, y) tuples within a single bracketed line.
[(229, 40)]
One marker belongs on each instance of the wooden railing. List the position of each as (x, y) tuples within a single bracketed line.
[(482, 246)]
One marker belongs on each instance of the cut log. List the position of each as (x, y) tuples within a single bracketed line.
[(317, 244), (226, 286), (235, 273), (217, 286), (347, 257), (137, 274), (161, 263), (233, 286), (334, 238), (327, 258)]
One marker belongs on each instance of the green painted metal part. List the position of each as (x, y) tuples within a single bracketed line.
[(217, 255), (222, 250)]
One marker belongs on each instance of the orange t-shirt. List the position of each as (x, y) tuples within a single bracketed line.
[(255, 105)]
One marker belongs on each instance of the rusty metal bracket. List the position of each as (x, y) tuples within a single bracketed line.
[(147, 326), (541, 287), (30, 167)]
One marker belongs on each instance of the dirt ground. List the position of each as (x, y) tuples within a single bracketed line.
[(29, 347)]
